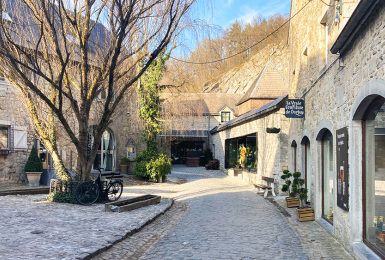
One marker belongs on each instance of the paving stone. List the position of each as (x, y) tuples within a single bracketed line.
[(216, 217), (32, 228)]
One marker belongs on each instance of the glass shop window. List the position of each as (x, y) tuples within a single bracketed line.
[(374, 184)]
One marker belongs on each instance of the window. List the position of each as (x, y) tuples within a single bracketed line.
[(105, 157), (225, 116), (373, 129), (328, 176), (247, 145), (294, 155), (306, 165), (4, 137)]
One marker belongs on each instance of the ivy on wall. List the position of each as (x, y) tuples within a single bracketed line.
[(149, 101)]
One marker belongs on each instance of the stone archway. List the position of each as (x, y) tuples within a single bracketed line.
[(367, 156)]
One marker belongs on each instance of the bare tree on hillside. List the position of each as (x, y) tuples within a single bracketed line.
[(74, 61), (237, 38)]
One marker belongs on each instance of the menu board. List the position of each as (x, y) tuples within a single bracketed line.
[(342, 169)]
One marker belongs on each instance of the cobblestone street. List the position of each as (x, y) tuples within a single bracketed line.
[(216, 217)]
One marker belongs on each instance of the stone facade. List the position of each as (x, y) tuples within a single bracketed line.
[(20, 136), (271, 147), (333, 87)]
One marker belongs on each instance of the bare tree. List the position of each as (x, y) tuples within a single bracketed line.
[(62, 55)]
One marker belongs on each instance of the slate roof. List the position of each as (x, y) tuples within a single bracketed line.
[(357, 23), (200, 103), (252, 114), (269, 84)]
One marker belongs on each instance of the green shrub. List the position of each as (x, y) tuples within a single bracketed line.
[(62, 197), (34, 163), (158, 167), (142, 160)]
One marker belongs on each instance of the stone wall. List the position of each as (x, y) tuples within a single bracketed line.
[(331, 93), (13, 116), (272, 156)]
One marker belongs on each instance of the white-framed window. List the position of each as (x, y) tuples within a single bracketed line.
[(225, 116)]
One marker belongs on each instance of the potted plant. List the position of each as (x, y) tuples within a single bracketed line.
[(291, 187), (124, 162), (159, 167), (305, 213), (273, 130), (33, 168)]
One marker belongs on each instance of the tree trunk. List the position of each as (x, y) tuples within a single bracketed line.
[(60, 170)]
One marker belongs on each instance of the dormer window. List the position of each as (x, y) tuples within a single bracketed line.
[(225, 116)]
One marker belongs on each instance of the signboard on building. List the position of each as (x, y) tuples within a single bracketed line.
[(342, 169), (295, 108)]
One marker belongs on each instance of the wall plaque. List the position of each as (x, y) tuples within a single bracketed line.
[(342, 169), (295, 108)]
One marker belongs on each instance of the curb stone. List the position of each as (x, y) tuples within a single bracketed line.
[(129, 233)]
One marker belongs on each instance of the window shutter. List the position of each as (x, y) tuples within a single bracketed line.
[(11, 143), (19, 139)]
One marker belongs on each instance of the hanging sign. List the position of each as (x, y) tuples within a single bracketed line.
[(342, 169), (295, 108)]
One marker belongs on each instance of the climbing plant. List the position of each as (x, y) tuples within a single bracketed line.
[(149, 103)]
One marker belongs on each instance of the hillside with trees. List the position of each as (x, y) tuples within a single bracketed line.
[(236, 40)]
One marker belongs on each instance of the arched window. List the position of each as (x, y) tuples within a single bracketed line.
[(372, 113), (328, 174), (306, 165), (105, 157), (294, 154)]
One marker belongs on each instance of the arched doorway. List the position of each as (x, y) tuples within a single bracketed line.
[(305, 142), (328, 174), (371, 112), (105, 157)]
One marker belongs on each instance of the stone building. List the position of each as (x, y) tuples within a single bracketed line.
[(260, 127), (337, 68), (187, 119), (16, 135)]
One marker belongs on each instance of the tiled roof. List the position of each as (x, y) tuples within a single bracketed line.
[(252, 114), (269, 84)]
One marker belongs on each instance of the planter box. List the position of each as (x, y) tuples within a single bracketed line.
[(306, 214), (124, 168), (292, 202), (131, 204), (192, 161)]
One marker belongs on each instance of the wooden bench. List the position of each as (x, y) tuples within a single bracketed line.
[(268, 187)]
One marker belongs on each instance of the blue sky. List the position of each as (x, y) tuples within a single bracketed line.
[(222, 13)]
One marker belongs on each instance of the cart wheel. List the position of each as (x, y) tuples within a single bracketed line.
[(87, 193), (114, 191)]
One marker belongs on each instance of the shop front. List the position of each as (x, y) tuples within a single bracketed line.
[(242, 152), (371, 113)]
